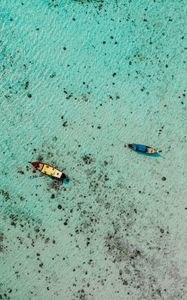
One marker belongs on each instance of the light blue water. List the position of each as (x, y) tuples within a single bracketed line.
[(79, 80)]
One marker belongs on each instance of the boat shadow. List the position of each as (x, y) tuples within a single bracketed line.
[(149, 154)]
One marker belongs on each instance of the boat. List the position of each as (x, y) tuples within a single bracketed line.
[(143, 148), (48, 170)]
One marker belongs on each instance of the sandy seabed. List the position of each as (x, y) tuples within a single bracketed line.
[(79, 80)]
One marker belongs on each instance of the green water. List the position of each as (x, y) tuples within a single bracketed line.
[(79, 80)]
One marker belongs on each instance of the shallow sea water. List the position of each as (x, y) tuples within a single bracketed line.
[(79, 80)]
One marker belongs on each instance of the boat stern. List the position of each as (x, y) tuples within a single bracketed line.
[(64, 178)]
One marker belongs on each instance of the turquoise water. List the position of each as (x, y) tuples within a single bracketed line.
[(79, 80)]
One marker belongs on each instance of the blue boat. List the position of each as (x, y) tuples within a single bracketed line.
[(143, 148)]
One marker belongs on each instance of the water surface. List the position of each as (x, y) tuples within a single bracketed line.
[(79, 80)]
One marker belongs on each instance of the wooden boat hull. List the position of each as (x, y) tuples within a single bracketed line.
[(48, 170), (143, 148)]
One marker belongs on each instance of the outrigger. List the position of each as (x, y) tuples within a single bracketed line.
[(143, 149), (49, 170)]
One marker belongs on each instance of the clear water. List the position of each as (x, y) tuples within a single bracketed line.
[(79, 80)]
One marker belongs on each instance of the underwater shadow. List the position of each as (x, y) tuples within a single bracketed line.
[(149, 154)]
